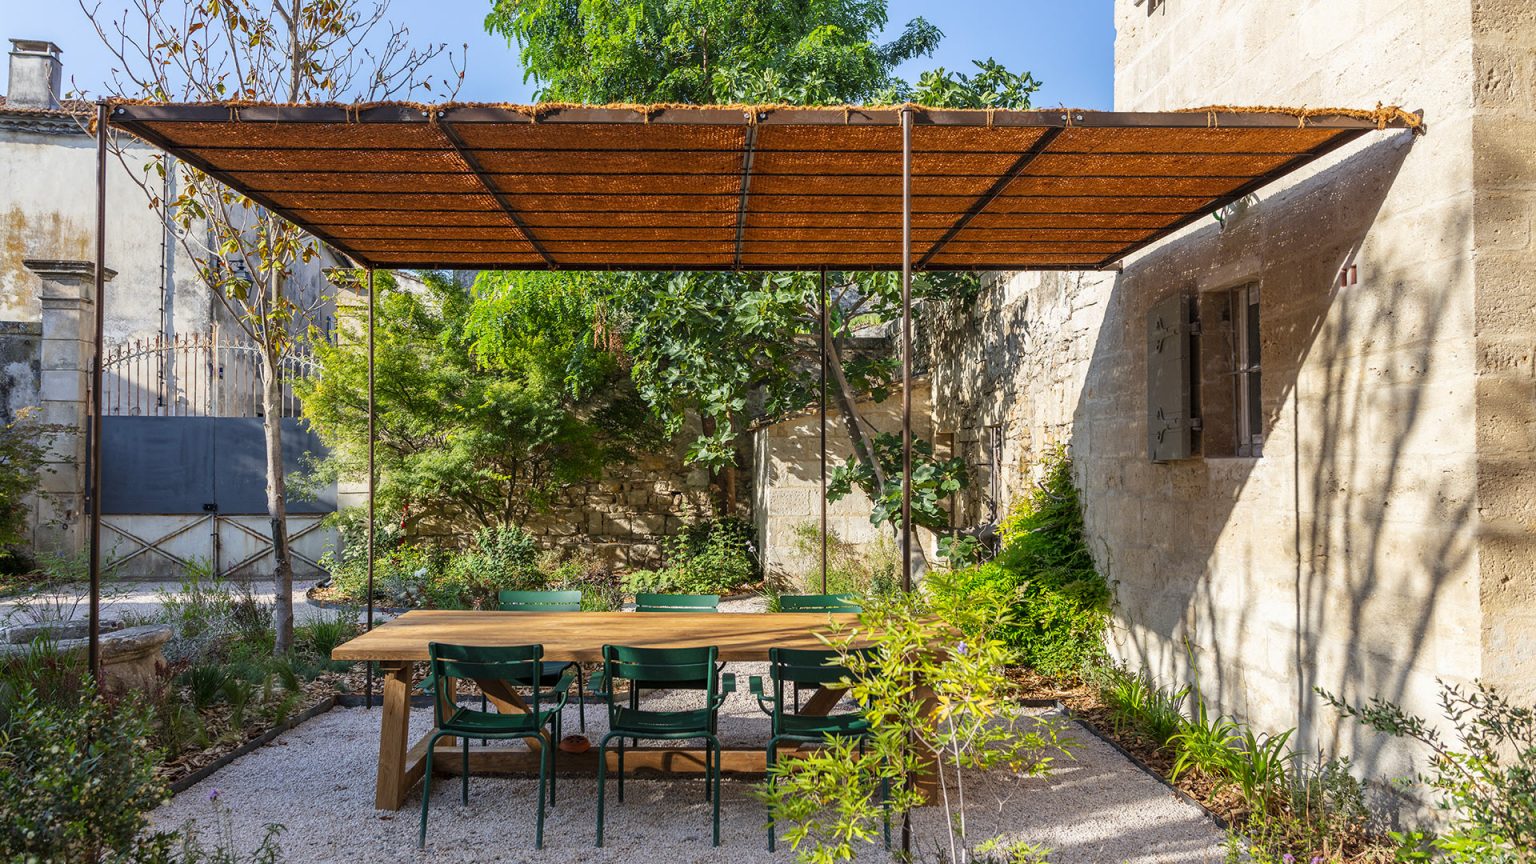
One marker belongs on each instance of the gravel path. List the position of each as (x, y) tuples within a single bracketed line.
[(317, 780)]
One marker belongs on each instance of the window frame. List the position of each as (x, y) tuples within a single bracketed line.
[(1247, 368)]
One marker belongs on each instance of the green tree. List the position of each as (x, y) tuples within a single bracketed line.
[(733, 347), (703, 51), (484, 411), (279, 51)]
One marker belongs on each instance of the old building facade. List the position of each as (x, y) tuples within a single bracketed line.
[(1359, 510)]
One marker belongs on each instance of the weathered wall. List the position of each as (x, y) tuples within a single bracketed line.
[(1504, 237), (1355, 553), (20, 367), (786, 484)]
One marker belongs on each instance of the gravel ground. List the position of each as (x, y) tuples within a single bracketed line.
[(137, 599), (317, 780)]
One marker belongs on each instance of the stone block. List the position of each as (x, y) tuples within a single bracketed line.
[(63, 386)]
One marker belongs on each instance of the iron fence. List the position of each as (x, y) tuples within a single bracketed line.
[(207, 374)]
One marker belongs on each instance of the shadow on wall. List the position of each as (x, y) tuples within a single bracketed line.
[(1322, 562)]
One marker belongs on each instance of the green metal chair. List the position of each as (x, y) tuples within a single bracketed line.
[(824, 603), (795, 666), (549, 601), (818, 603), (513, 663), (677, 603), (668, 666)]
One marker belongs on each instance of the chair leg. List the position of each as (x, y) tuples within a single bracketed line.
[(621, 770), (581, 700), (712, 777), (554, 752), (465, 784), (708, 761), (773, 752), (485, 705), (544, 760), (602, 785), (426, 795)]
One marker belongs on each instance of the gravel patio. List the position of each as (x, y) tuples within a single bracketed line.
[(317, 781)]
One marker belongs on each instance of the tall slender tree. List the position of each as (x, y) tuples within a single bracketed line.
[(254, 51)]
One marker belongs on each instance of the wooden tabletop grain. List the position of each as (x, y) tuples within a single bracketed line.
[(582, 635)]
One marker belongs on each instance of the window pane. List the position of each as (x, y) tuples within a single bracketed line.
[(1255, 414), (1252, 342)]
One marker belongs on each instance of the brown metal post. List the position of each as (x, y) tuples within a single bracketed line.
[(93, 649), (906, 349), (372, 412), (906, 391), (822, 398)]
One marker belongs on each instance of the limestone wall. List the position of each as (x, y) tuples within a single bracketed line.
[(786, 483), (1357, 553)]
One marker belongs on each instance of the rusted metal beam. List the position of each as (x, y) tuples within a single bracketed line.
[(478, 170), (1040, 146)]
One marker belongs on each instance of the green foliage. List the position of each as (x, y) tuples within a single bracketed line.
[(21, 464), (827, 801), (712, 51), (991, 86), (933, 479), (489, 400), (873, 569), (1062, 601), (1207, 745), (711, 557), (75, 781), (581, 570), (41, 672), (1486, 785), (1136, 702)]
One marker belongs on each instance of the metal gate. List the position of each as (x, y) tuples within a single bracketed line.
[(184, 461)]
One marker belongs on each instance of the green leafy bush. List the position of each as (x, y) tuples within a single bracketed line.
[(582, 571), (21, 463), (871, 569), (712, 557), (75, 781), (1486, 785), (1062, 601), (828, 800)]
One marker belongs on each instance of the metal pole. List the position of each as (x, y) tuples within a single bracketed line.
[(906, 349), (93, 650), (372, 411), (906, 391), (822, 392)]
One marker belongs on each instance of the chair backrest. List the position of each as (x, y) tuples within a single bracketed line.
[(818, 603), (539, 601), (677, 603), (802, 666), (660, 665), (471, 662)]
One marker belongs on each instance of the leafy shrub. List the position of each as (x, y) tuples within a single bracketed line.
[(1487, 787), (41, 672), (828, 799), (1062, 601), (1135, 701), (871, 569), (713, 557), (498, 559), (21, 462), (583, 571), (75, 782)]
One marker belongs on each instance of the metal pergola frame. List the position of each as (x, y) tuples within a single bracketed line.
[(150, 121)]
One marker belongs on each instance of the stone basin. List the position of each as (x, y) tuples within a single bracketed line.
[(129, 655)]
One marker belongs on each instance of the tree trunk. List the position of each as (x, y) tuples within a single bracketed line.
[(277, 499), (863, 448)]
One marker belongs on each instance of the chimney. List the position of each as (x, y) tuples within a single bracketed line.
[(36, 73)]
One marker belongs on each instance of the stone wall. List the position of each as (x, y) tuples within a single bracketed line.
[(1384, 538), (786, 482), (627, 514)]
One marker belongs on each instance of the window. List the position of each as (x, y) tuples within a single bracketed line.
[(1248, 409)]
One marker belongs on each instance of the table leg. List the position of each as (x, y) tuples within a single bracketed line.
[(394, 734), (508, 701)]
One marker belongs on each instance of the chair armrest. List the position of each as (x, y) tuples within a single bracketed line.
[(728, 682), (561, 689), (765, 703), (428, 685), (599, 685)]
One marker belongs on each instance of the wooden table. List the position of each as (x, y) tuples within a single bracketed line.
[(399, 644)]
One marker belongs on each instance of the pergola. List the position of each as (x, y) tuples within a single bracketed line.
[(726, 188)]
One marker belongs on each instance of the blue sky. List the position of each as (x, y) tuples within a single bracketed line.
[(1067, 44)]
